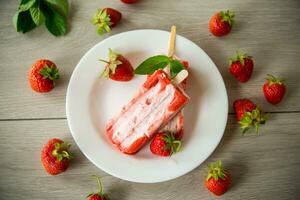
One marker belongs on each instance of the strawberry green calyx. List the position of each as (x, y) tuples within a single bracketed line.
[(227, 16), (100, 192), (102, 20), (111, 64), (274, 80), (61, 151), (216, 171), (239, 57), (252, 119), (172, 144), (51, 72)]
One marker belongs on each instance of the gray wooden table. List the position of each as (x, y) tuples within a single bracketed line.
[(263, 167)]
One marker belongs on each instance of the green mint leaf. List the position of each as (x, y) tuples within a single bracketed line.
[(151, 64), (61, 6), (55, 23), (24, 22), (37, 14), (26, 4), (175, 67), (15, 21)]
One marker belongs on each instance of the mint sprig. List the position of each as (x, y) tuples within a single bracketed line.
[(32, 13), (150, 65)]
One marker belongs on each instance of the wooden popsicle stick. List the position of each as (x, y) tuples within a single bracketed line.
[(183, 74), (172, 41)]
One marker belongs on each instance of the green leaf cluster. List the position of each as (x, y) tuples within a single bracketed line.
[(154, 63), (239, 57), (252, 119), (112, 64), (227, 16), (32, 13), (102, 20), (51, 72), (216, 171), (61, 151), (171, 143)]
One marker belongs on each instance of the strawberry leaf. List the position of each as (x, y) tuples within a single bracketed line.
[(252, 119), (227, 16), (112, 64), (61, 151), (274, 80), (102, 20), (51, 72), (171, 143), (239, 58), (216, 171)]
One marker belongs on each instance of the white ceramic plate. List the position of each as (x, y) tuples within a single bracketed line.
[(91, 101)]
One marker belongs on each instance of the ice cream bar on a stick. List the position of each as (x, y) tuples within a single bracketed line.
[(175, 125), (157, 101)]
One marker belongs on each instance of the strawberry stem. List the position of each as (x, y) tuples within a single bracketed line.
[(102, 60), (99, 184)]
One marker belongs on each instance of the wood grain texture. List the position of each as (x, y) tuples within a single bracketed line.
[(267, 30), (263, 167)]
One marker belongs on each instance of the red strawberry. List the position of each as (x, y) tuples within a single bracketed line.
[(165, 144), (118, 68), (241, 67), (221, 23), (129, 1), (218, 180), (42, 76), (105, 19), (274, 89), (99, 195), (248, 114), (55, 156)]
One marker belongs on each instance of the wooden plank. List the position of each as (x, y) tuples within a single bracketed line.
[(263, 167), (267, 30)]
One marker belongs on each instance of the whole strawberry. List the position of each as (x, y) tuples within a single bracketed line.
[(221, 23), (218, 180), (105, 19), (129, 1), (248, 114), (165, 144), (241, 67), (118, 68), (274, 89), (42, 76), (55, 156), (99, 195)]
